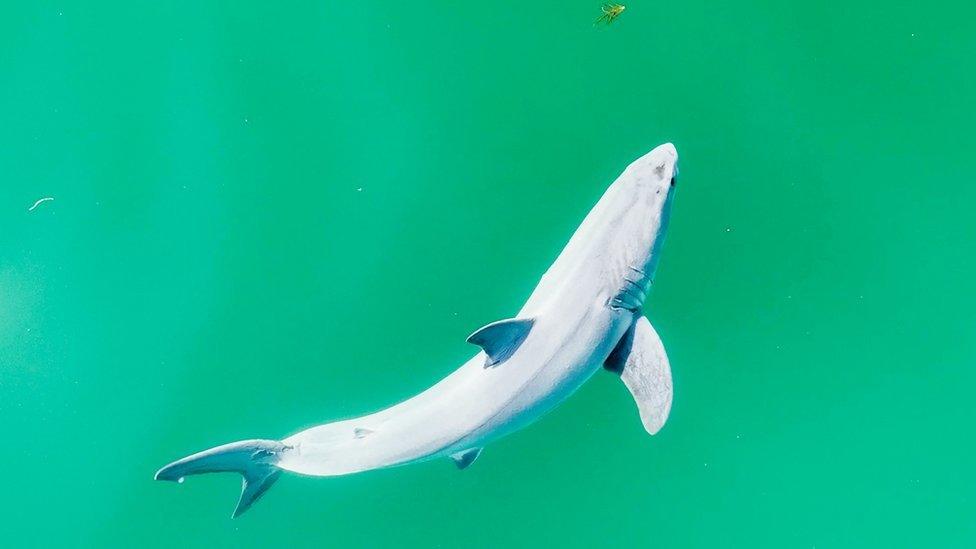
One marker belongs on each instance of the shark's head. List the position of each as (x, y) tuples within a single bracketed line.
[(633, 219), (619, 242), (651, 178)]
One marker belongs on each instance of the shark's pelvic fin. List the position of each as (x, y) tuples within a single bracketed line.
[(500, 339), (253, 459), (643, 366), (466, 458)]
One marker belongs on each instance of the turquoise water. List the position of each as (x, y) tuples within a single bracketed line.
[(271, 216)]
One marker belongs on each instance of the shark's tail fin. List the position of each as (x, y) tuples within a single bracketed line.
[(254, 459)]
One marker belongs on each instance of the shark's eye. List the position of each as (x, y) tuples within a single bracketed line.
[(674, 181)]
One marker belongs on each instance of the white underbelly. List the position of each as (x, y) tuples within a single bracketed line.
[(471, 407)]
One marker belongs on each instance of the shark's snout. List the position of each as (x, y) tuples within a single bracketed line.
[(668, 155), (658, 167), (668, 150)]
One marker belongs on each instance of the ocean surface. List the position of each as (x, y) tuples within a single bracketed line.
[(267, 216)]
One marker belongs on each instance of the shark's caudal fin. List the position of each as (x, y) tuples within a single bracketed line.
[(254, 459)]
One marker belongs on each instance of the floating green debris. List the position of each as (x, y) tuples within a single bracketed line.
[(610, 13)]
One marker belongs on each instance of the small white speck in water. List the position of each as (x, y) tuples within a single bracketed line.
[(359, 189), (39, 202), (728, 229), (180, 480)]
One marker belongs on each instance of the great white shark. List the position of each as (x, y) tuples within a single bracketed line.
[(585, 314)]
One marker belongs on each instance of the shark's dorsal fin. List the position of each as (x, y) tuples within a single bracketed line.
[(501, 339), (643, 366), (466, 458)]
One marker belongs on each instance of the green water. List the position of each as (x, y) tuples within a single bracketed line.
[(270, 216)]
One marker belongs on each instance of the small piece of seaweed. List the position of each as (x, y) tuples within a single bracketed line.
[(610, 13)]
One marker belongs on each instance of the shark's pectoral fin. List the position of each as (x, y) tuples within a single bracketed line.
[(643, 365), (500, 339), (466, 458)]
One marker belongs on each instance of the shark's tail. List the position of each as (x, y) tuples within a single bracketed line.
[(254, 459)]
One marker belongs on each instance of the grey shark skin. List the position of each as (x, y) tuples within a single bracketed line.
[(585, 313)]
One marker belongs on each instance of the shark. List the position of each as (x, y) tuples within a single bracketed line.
[(585, 314)]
